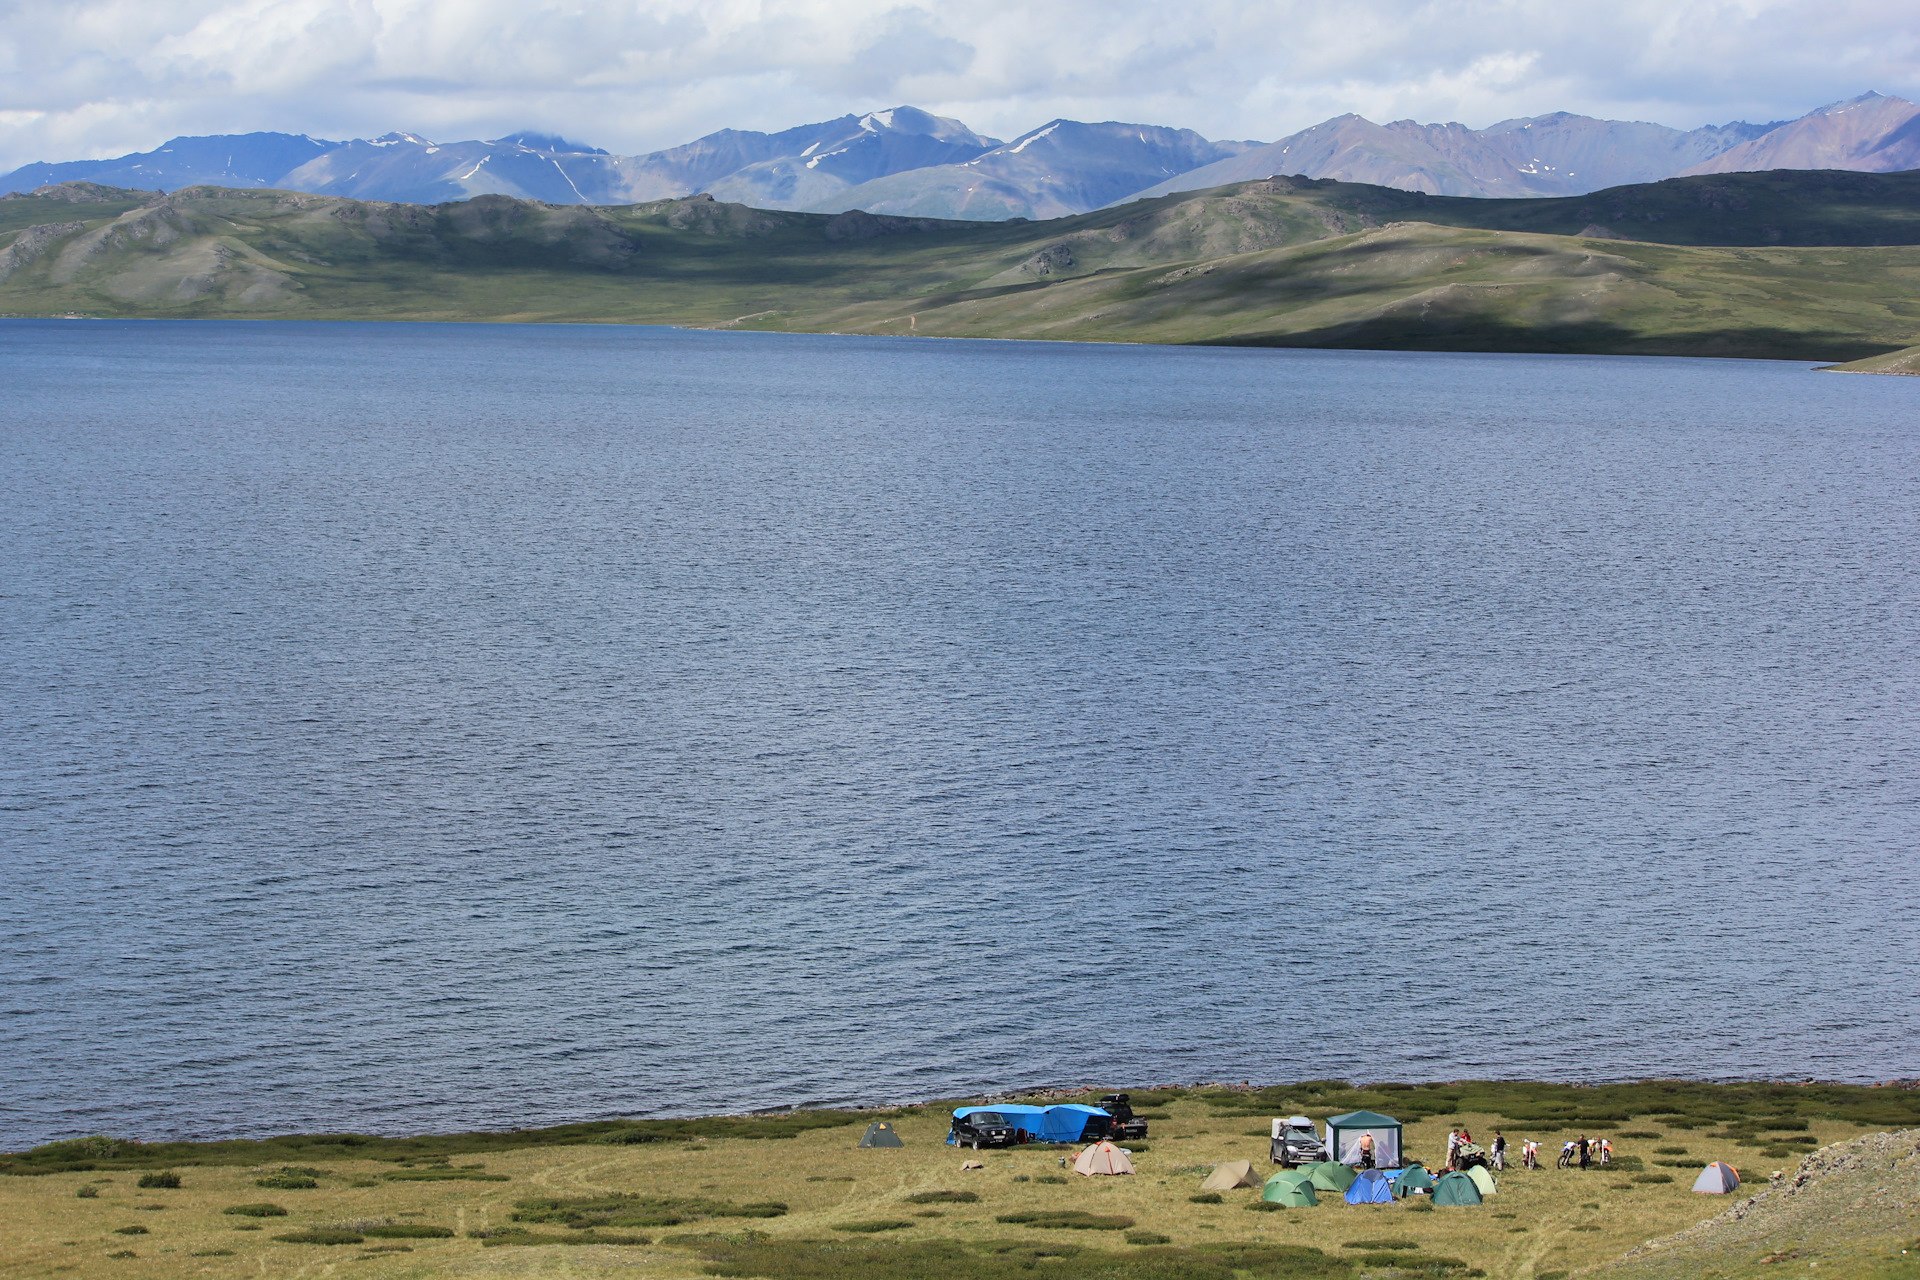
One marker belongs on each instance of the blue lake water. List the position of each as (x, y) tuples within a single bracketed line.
[(417, 727)]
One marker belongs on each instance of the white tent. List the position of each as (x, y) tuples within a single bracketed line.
[(1103, 1158), (1717, 1179)]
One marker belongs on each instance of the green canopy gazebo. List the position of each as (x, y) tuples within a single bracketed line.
[(1344, 1134)]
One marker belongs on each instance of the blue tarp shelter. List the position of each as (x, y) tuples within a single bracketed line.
[(1073, 1122), (1371, 1187)]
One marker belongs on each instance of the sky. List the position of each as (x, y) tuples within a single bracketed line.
[(93, 78)]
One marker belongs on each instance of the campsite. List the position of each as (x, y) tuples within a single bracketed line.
[(882, 1195)]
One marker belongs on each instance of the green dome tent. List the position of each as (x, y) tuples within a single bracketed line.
[(1344, 1134), (1412, 1178), (1290, 1187), (1455, 1188), (1482, 1180), (880, 1134), (1330, 1175)]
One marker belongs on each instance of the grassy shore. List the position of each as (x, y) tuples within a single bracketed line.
[(792, 1195)]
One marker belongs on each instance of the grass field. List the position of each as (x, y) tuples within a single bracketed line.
[(792, 1196), (1815, 266)]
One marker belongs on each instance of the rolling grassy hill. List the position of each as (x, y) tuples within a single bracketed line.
[(1819, 266)]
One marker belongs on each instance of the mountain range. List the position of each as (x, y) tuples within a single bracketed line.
[(908, 162)]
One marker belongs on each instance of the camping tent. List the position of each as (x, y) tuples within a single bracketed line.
[(1344, 1134), (1455, 1188), (1411, 1179), (1103, 1158), (1482, 1179), (1231, 1175), (1717, 1179), (1073, 1122), (880, 1134), (1290, 1187), (1330, 1175), (1371, 1187)]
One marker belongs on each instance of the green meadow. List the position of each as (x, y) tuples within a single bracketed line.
[(1814, 266), (794, 1196)]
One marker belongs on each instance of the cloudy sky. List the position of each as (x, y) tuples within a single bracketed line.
[(88, 78)]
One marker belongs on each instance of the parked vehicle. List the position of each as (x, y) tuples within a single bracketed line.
[(1125, 1126), (979, 1127), (1295, 1142)]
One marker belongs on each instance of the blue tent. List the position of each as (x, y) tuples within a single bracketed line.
[(1371, 1187), (1073, 1122), (1028, 1120)]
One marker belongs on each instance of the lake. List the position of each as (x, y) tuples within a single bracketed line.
[(418, 727)]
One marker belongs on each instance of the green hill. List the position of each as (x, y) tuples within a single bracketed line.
[(1818, 266), (1905, 361)]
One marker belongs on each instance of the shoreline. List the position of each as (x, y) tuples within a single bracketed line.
[(804, 1116)]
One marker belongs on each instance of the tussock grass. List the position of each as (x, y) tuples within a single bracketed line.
[(1066, 1220), (444, 1173), (1001, 1260), (406, 1231), (103, 1152), (322, 1235), (262, 1209), (873, 1226), (944, 1197), (165, 1178), (512, 1236), (623, 1210)]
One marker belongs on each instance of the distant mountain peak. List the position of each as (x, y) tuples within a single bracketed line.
[(399, 139), (547, 142)]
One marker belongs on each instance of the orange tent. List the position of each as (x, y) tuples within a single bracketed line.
[(1103, 1158)]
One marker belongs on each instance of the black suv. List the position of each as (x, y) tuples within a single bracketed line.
[(979, 1129)]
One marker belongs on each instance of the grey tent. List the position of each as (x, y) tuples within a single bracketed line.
[(1231, 1175), (880, 1134), (1717, 1179)]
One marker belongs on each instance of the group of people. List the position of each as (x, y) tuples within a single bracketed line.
[(1587, 1152), (1463, 1137), (1584, 1150)]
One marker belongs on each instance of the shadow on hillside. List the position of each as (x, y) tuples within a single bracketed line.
[(1478, 334)]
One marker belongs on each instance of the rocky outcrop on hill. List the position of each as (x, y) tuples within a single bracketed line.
[(1845, 1195)]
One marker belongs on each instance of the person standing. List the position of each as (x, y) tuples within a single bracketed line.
[(1453, 1145), (1366, 1151), (1499, 1150), (1586, 1154)]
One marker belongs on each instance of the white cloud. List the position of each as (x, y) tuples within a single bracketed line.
[(101, 77)]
